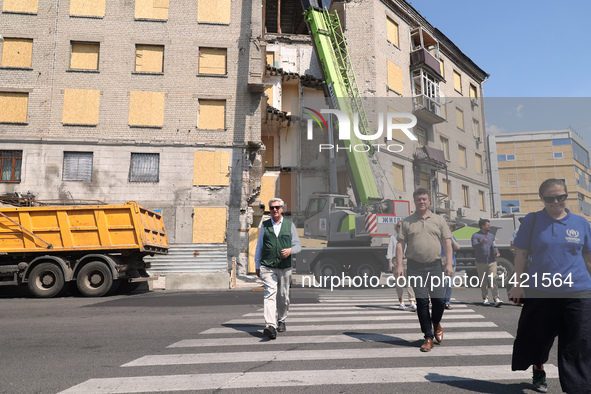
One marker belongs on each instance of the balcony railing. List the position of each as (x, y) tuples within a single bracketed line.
[(427, 108)]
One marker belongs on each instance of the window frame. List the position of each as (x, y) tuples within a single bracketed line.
[(143, 178), (79, 176), (17, 161)]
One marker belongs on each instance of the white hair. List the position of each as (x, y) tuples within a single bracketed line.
[(276, 199)]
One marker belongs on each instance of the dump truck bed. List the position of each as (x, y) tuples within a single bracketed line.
[(114, 228)]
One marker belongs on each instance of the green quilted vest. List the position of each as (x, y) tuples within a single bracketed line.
[(272, 245)]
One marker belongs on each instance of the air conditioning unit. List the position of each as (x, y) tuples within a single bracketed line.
[(479, 140), (450, 204), (462, 211), (474, 102)]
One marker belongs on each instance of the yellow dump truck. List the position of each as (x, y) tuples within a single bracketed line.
[(99, 247)]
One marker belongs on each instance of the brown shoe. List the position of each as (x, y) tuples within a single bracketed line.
[(427, 345), (438, 331)]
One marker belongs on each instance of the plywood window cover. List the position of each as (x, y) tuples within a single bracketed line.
[(151, 19), (19, 99), (81, 102), (205, 104), (154, 97), (30, 55), (149, 72), (211, 3), (8, 3), (87, 15), (224, 74), (73, 53)]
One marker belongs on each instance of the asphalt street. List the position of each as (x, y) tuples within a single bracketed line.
[(339, 341)]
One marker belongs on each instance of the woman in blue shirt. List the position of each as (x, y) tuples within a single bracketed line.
[(557, 288)]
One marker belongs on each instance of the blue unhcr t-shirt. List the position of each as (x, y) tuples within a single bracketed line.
[(557, 250)]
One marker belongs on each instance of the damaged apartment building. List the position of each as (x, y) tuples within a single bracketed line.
[(402, 64), (195, 109)]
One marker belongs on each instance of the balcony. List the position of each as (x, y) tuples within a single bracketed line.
[(422, 58), (427, 109)]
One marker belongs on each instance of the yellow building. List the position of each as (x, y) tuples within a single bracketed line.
[(520, 162)]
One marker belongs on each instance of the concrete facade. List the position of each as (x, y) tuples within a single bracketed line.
[(43, 137), (522, 161)]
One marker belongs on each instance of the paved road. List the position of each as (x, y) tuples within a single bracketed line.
[(342, 341)]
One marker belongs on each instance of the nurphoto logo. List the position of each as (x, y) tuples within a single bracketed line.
[(345, 129)]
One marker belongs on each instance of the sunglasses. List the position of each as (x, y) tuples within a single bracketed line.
[(560, 198), (276, 207)]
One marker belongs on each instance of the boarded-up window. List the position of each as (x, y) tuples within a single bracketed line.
[(442, 67), (10, 165), (446, 189), (85, 55), (475, 128), (149, 58), (465, 196), (87, 8), (17, 52), (444, 111), (144, 167), (211, 168), (215, 11), (445, 147), (13, 107), (146, 109), (478, 160), (392, 32), (460, 118), (212, 114), (481, 200), (398, 172), (462, 153), (212, 60), (151, 9), (81, 106), (271, 58), (209, 225), (398, 134), (77, 166), (395, 77), (457, 81), (28, 6), (472, 91)]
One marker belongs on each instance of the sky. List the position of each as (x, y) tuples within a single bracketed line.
[(537, 55)]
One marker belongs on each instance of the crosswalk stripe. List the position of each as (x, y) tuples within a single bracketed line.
[(358, 317), (314, 354), (239, 329), (354, 312), (338, 338), (244, 380), (363, 305)]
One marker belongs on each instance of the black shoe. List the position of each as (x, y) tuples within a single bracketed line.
[(281, 326), (270, 332)]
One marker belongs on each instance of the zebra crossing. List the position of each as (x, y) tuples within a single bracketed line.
[(348, 329)]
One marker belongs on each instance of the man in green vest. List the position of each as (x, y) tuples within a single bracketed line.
[(278, 241)]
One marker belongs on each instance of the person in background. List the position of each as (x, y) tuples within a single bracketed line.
[(448, 283), (559, 243), (391, 256), (485, 252), (278, 241)]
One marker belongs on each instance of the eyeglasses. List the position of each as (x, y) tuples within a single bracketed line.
[(551, 199), (276, 207)]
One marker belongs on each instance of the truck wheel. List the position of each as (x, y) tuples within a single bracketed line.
[(326, 268), (506, 269), (368, 270), (94, 279), (46, 280)]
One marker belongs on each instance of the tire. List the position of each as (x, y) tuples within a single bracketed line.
[(368, 270), (94, 279), (327, 268), (505, 268), (46, 280)]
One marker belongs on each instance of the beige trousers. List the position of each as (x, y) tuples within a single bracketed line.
[(486, 270), (276, 294)]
